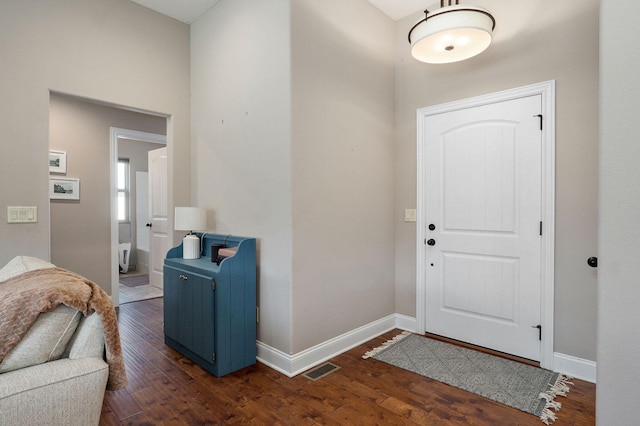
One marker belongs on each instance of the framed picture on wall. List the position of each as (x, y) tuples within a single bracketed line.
[(64, 188), (57, 161)]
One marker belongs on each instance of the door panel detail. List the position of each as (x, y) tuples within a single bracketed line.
[(481, 286), (479, 178)]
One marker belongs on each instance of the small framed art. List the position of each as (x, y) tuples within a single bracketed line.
[(64, 188), (57, 161)]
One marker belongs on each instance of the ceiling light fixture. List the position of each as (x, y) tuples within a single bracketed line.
[(452, 33)]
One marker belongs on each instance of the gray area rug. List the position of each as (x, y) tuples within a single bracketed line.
[(527, 388)]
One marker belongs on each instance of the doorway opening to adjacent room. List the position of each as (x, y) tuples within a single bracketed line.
[(84, 235), (139, 163)]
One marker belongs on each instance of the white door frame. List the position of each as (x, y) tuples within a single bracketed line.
[(547, 92), (119, 133)]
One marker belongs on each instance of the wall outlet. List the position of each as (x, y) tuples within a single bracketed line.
[(409, 215)]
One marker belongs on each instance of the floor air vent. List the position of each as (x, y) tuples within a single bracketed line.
[(321, 371)]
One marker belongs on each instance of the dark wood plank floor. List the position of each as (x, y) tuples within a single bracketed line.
[(167, 389)]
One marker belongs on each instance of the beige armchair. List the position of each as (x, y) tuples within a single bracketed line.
[(56, 374)]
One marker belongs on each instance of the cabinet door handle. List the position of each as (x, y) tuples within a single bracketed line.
[(183, 277)]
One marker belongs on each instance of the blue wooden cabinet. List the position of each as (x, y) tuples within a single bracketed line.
[(210, 309)]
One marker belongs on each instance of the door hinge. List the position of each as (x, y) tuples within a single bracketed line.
[(257, 314), (540, 228), (539, 327), (540, 117), (213, 285), (213, 357)]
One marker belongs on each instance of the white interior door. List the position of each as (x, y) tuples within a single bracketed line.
[(142, 210), (158, 215), (482, 224), (142, 220)]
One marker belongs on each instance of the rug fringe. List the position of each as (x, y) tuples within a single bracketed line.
[(559, 388), (386, 344)]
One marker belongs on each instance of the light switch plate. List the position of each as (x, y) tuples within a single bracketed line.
[(22, 214), (409, 215)]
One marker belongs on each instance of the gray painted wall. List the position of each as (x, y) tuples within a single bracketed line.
[(550, 40), (81, 230), (241, 141), (619, 217), (342, 154), (556, 41), (338, 67), (113, 51), (292, 143)]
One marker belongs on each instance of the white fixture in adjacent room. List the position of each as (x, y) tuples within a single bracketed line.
[(451, 33), (190, 219)]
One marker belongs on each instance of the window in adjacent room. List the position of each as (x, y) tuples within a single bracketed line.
[(123, 190)]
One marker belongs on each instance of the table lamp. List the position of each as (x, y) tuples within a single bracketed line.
[(190, 219)]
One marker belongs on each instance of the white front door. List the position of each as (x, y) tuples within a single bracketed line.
[(158, 215), (482, 219)]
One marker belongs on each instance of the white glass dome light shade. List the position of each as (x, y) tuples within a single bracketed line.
[(451, 34)]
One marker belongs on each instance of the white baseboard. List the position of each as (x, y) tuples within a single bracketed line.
[(292, 365), (579, 368), (404, 322)]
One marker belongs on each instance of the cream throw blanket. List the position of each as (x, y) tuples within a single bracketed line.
[(24, 297)]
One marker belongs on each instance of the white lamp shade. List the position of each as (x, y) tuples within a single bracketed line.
[(190, 219), (451, 34)]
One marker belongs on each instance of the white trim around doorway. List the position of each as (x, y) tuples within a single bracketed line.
[(547, 92), (115, 134)]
